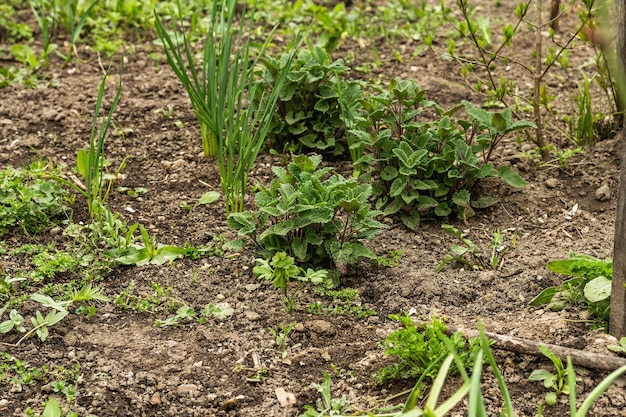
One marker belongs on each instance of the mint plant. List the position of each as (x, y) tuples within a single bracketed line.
[(314, 102), (430, 168), (321, 220)]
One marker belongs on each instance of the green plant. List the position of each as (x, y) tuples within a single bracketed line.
[(620, 348), (58, 312), (28, 200), (420, 349), (281, 338), (555, 381), (47, 25), (91, 163), (430, 168), (221, 312), (593, 395), (282, 269), (391, 260), (73, 27), (317, 219), (147, 253), (183, 313), (345, 302), (233, 127), (314, 101), (584, 130), (494, 60), (327, 405), (158, 299), (466, 253), (590, 286), (206, 198), (11, 30)]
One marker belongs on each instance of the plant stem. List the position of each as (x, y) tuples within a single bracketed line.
[(538, 75)]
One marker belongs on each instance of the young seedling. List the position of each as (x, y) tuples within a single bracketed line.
[(281, 337), (149, 253), (281, 270), (558, 381), (621, 348), (466, 253)]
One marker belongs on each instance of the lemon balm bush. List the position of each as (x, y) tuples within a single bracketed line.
[(315, 102), (319, 219), (429, 168), (233, 126)]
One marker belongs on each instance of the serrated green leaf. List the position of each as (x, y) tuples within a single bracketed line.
[(511, 177), (484, 202), (299, 248), (461, 198), (478, 114), (397, 187), (498, 122), (412, 220), (389, 173)]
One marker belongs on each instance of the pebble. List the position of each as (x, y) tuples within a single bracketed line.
[(187, 389), (551, 182), (252, 315), (603, 193), (321, 327), (156, 398), (4, 403)]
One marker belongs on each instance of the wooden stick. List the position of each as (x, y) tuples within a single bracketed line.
[(579, 357), (617, 319)]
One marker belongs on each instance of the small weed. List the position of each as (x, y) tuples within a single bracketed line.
[(466, 253), (281, 270), (621, 348), (133, 192), (420, 348), (327, 405), (220, 311), (345, 302), (391, 260), (28, 200), (159, 299), (557, 381), (591, 285), (281, 338)]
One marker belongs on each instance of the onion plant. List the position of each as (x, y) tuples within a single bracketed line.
[(91, 163), (233, 126)]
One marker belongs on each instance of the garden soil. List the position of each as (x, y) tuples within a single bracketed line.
[(235, 367)]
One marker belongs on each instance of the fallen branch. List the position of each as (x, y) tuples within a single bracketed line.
[(579, 357)]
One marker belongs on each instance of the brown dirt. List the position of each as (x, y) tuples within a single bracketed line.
[(126, 362)]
